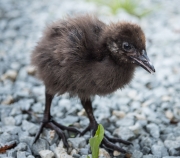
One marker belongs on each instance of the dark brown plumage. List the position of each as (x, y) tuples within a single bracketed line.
[(85, 57)]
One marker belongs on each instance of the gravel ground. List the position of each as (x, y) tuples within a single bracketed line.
[(146, 112)]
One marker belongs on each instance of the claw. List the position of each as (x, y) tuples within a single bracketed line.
[(73, 129), (38, 133), (112, 146), (57, 127), (114, 140)]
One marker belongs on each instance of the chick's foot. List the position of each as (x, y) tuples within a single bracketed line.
[(58, 128), (107, 142)]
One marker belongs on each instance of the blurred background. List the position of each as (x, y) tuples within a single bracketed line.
[(147, 110)]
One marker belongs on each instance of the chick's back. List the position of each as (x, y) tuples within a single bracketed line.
[(63, 52)]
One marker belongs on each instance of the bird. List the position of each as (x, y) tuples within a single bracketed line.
[(84, 57)]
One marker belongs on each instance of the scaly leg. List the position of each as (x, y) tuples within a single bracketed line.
[(49, 123)]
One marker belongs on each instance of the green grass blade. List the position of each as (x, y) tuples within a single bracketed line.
[(96, 141)]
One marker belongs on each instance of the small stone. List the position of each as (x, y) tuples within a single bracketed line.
[(22, 75), (41, 144), (173, 152), (153, 129), (38, 108), (74, 151), (136, 128), (21, 154), (9, 121), (31, 70), (116, 153), (21, 147), (137, 154), (11, 129), (84, 151), (77, 142), (10, 74), (28, 126), (30, 156), (26, 139), (77, 156), (82, 113), (8, 100), (52, 147), (171, 157), (50, 135), (46, 154), (11, 153), (146, 150), (69, 120), (15, 66), (103, 153), (132, 94), (140, 116), (166, 98), (169, 114), (125, 122), (172, 144), (159, 151), (60, 152), (33, 130), (146, 141), (8, 138), (15, 111), (119, 114), (124, 133), (149, 156), (147, 103)]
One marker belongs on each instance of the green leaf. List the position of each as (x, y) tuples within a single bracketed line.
[(96, 141)]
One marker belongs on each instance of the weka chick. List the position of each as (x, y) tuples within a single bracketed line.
[(85, 57)]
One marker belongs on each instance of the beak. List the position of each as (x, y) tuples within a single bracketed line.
[(144, 62)]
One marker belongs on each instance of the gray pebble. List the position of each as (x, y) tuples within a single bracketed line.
[(124, 133), (146, 150), (159, 151), (11, 129), (21, 154), (77, 142), (6, 137), (50, 135), (146, 141), (30, 127), (149, 156), (84, 151), (173, 152), (125, 122), (9, 121), (69, 120), (26, 139), (171, 157), (11, 153), (41, 144), (137, 154), (76, 156), (153, 129), (30, 156), (21, 147), (172, 144)]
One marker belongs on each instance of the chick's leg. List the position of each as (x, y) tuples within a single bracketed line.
[(50, 123), (108, 142)]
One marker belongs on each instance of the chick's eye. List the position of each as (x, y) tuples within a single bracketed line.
[(126, 46)]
